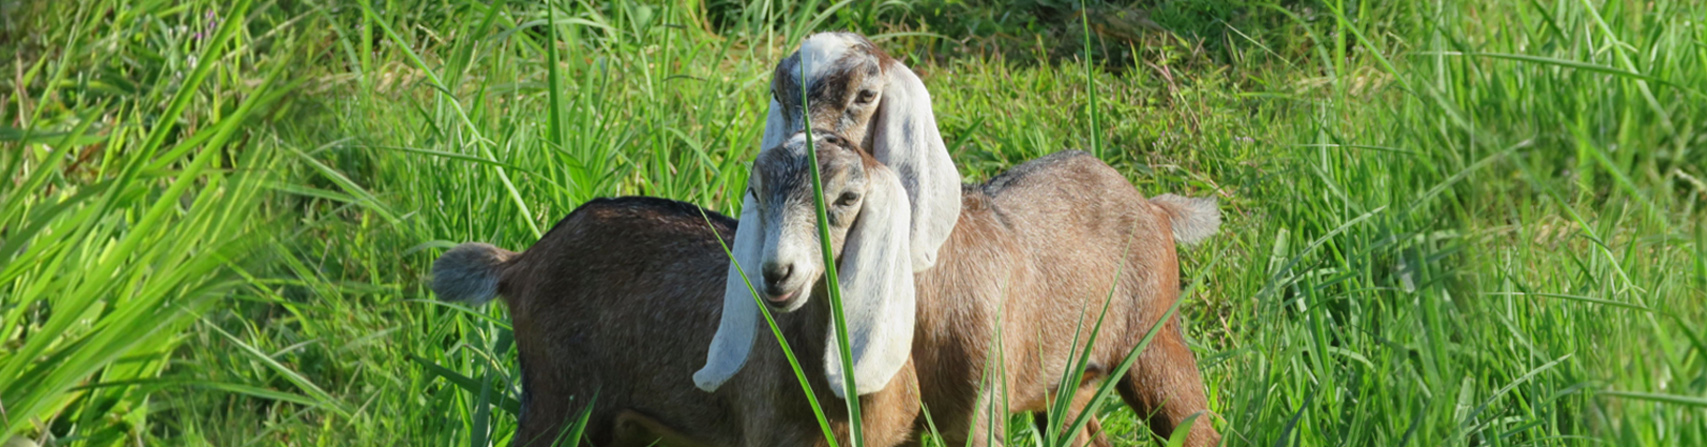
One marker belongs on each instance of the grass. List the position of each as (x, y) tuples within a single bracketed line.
[(1448, 223)]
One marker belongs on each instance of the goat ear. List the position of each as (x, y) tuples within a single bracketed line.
[(776, 128), (876, 277), (738, 328), (735, 333), (905, 138)]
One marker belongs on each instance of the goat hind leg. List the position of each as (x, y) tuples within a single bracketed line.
[(1164, 388)]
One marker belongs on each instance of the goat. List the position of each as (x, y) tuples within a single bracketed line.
[(617, 298), (611, 309), (856, 91)]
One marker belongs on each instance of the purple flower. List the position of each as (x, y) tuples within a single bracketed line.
[(213, 22)]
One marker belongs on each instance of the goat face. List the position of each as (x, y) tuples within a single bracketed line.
[(792, 259), (844, 79), (778, 251)]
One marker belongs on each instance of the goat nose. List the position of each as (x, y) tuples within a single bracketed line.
[(775, 273)]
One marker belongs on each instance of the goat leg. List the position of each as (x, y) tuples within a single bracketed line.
[(1164, 388)]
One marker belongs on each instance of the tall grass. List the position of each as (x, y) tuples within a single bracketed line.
[(1449, 223), (131, 210)]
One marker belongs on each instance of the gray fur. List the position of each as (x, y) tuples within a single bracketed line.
[(469, 273), (1193, 218)]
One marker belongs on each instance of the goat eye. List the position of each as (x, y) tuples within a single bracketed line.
[(847, 199), (865, 96)]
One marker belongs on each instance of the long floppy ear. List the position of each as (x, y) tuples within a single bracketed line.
[(776, 128), (735, 333), (738, 328), (876, 277), (905, 138)]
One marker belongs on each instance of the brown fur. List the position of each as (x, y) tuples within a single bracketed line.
[(1034, 247)]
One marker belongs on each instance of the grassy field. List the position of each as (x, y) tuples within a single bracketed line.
[(1448, 223)]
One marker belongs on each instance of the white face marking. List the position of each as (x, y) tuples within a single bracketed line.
[(820, 51), (788, 217), (796, 144), (793, 241), (791, 236)]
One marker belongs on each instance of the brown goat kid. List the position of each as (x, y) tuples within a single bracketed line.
[(615, 305)]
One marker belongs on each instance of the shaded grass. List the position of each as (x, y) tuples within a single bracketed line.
[(1448, 223)]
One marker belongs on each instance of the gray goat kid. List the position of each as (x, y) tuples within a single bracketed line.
[(613, 305)]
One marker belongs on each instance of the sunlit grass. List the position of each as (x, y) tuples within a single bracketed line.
[(1447, 224)]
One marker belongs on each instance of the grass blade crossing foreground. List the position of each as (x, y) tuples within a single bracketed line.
[(1688, 401), (782, 342), (832, 285)]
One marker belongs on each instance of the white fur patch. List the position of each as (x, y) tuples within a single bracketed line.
[(738, 326), (905, 138), (1193, 218), (822, 50), (877, 290)]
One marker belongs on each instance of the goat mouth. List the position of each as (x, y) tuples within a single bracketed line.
[(782, 299)]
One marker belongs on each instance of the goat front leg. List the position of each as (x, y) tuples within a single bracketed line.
[(984, 426), (639, 430), (1092, 435), (888, 416)]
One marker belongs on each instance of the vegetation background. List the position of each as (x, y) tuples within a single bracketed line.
[(1449, 222)]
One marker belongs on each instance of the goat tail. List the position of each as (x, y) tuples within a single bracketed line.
[(470, 273), (1193, 218)]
